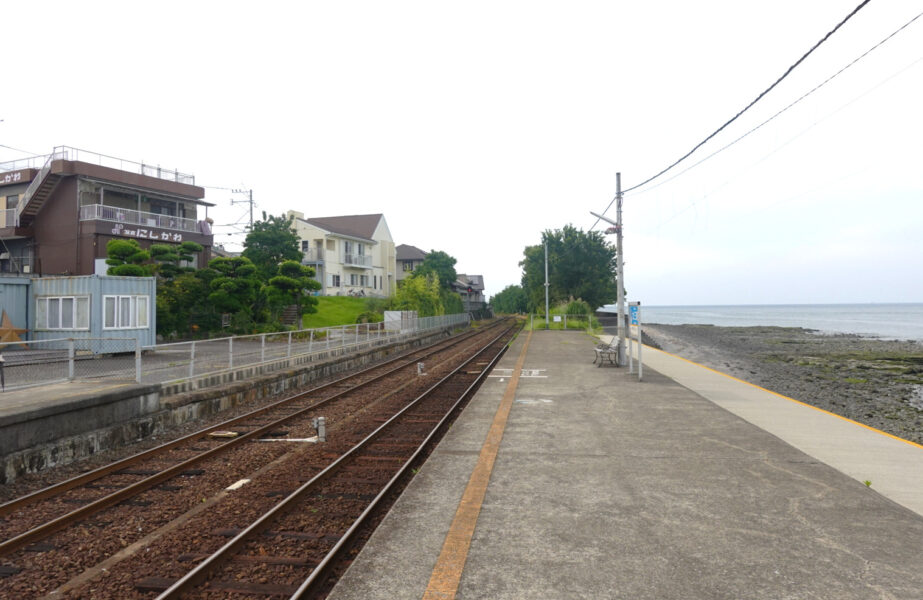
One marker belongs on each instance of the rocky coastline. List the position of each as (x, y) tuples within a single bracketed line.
[(876, 382)]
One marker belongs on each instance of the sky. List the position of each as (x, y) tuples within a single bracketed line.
[(475, 126)]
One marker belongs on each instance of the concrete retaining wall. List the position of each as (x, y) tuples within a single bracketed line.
[(83, 426)]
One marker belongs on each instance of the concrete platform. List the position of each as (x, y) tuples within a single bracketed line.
[(604, 487)]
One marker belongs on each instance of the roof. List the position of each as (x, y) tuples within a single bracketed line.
[(407, 252), (360, 226), (475, 281)]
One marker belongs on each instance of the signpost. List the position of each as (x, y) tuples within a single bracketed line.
[(634, 323)]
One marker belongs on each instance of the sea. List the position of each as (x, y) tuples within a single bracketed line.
[(885, 321)]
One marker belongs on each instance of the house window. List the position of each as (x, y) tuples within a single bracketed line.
[(408, 265), (125, 312), (62, 312), (333, 280), (305, 245), (12, 201), (364, 280)]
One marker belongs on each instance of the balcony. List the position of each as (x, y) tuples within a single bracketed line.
[(357, 260), (99, 212), (312, 256)]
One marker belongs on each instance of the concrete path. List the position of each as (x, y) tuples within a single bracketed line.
[(606, 487)]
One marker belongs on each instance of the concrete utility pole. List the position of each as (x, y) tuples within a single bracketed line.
[(546, 284), (620, 286)]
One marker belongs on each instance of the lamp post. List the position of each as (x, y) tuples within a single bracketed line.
[(620, 287)]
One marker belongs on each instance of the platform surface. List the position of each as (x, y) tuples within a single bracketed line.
[(606, 487)]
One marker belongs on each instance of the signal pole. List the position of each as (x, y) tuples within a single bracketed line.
[(620, 271)]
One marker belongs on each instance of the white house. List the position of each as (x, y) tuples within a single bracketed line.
[(354, 255)]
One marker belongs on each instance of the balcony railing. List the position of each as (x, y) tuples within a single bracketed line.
[(9, 217), (357, 260), (312, 255), (68, 153), (15, 264), (99, 212)]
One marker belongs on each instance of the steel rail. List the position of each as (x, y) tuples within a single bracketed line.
[(58, 523), (100, 472), (198, 574)]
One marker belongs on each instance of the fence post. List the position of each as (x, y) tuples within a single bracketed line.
[(137, 360), (288, 352), (263, 348), (357, 335), (230, 353), (70, 359), (192, 361)]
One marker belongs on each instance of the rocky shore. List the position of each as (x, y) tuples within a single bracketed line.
[(875, 382)]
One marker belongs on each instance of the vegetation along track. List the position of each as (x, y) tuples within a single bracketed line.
[(51, 545)]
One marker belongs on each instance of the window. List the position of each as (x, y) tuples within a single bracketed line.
[(62, 312), (305, 245), (364, 280), (125, 312), (12, 201), (353, 279), (333, 280), (408, 265)]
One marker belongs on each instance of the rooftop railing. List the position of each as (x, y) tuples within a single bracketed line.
[(94, 158)]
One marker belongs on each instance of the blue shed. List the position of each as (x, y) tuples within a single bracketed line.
[(14, 300), (94, 307)]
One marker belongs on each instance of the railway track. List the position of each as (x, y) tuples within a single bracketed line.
[(131, 502)]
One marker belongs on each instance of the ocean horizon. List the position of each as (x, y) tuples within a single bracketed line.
[(898, 321)]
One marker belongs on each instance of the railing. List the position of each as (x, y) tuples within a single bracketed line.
[(99, 212), (312, 255), (48, 361), (360, 260), (41, 362), (43, 172), (9, 217), (15, 264), (68, 153)]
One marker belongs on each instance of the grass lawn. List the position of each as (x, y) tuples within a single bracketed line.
[(334, 310)]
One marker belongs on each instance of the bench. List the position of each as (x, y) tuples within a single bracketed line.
[(606, 352)]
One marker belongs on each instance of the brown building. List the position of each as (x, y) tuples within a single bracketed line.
[(58, 212)]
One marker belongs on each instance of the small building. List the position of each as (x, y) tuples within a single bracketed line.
[(88, 307), (471, 289), (408, 259), (353, 255), (58, 212)]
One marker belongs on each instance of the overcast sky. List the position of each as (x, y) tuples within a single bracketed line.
[(475, 126)]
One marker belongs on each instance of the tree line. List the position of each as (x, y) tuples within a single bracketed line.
[(581, 266), (249, 293)]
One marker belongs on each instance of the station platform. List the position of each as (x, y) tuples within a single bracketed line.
[(562, 479)]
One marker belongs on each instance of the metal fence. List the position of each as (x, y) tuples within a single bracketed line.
[(49, 361), (40, 362)]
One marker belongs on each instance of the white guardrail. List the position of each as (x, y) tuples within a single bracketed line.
[(33, 363)]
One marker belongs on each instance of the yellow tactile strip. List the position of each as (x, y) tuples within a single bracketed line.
[(443, 582)]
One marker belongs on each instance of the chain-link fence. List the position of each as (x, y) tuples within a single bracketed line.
[(39, 362), (42, 362)]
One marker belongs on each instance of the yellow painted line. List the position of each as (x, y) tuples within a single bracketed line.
[(832, 414), (443, 582)]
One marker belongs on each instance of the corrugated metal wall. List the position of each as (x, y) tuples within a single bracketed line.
[(14, 299)]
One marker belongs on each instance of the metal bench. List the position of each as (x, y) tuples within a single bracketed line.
[(606, 352)]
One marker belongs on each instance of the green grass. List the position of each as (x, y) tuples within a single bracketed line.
[(333, 311)]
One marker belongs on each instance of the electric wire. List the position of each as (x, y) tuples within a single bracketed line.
[(746, 108), (773, 117)]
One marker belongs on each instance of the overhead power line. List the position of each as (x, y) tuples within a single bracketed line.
[(803, 96), (746, 108)]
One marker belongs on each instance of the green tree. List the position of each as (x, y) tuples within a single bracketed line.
[(269, 243), (441, 265), (235, 287), (292, 284), (421, 294), (511, 300), (168, 256), (126, 258), (580, 265)]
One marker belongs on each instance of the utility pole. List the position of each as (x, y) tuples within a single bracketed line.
[(620, 272), (546, 284), (249, 200)]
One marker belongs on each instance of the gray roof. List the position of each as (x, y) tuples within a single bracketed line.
[(406, 252), (360, 226), (475, 281)]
